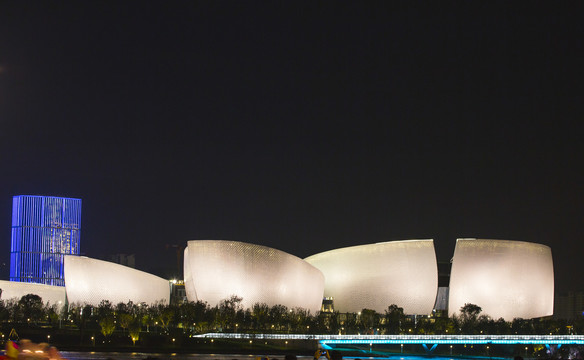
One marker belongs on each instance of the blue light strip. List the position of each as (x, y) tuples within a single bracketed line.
[(327, 340), (454, 342)]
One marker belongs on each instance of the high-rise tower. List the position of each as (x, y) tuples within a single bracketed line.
[(44, 229)]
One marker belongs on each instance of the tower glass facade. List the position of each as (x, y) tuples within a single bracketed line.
[(44, 230)]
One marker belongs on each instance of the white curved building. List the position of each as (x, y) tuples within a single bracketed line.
[(90, 281), (53, 295), (217, 269), (375, 276), (507, 279)]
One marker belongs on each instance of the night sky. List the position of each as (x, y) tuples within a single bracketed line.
[(304, 126)]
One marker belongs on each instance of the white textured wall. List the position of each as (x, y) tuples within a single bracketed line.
[(91, 281), (505, 278), (217, 269), (54, 295), (375, 276)]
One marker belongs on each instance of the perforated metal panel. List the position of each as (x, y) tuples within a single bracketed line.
[(53, 295), (91, 281), (375, 276), (507, 279), (217, 269)]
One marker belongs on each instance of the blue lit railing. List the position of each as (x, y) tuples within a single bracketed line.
[(461, 339)]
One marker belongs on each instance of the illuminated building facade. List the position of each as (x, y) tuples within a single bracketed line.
[(507, 279), (375, 276), (89, 281), (51, 295), (215, 270), (44, 230)]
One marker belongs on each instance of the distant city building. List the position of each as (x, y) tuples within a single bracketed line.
[(569, 306), (44, 230), (128, 260), (178, 294), (328, 305), (441, 305), (444, 268)]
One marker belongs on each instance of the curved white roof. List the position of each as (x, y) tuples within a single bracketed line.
[(54, 295), (507, 279), (217, 269), (375, 276), (91, 281)]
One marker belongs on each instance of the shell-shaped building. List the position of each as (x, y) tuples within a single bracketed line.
[(51, 294), (375, 276), (217, 269), (507, 279), (90, 281)]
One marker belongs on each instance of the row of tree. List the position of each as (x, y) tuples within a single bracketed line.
[(230, 316)]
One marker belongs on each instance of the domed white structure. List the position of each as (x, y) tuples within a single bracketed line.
[(507, 279), (375, 276), (51, 294), (89, 281), (217, 269)]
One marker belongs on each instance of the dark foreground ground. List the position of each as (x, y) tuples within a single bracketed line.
[(155, 343)]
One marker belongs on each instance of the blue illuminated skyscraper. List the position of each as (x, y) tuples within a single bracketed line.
[(44, 229)]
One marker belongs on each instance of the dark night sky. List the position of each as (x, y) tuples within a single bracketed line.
[(303, 126)]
